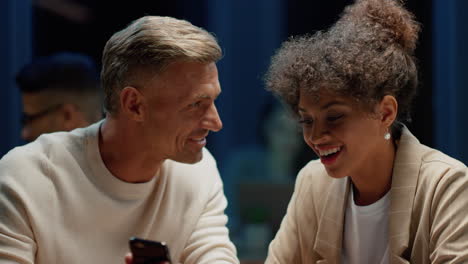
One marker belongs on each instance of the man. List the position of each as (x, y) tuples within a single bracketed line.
[(59, 93), (143, 171)]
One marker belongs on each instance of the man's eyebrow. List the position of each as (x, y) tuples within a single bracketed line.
[(206, 96), (202, 96)]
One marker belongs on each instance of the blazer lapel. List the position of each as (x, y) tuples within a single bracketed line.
[(404, 181), (328, 242)]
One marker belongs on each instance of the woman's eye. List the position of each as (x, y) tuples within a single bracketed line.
[(334, 118), (305, 121)]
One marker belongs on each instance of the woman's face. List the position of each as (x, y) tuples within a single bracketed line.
[(347, 139)]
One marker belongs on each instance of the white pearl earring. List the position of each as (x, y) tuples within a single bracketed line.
[(387, 136)]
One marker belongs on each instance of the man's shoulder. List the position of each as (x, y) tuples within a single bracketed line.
[(30, 156), (24, 171), (34, 159)]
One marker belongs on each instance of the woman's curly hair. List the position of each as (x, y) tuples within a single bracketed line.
[(366, 54)]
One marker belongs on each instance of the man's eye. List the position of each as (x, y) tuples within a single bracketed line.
[(195, 105)]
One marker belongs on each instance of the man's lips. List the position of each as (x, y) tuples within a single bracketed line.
[(200, 141)]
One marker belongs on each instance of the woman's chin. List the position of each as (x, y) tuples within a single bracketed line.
[(335, 174)]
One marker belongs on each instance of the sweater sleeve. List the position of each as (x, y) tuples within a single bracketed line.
[(17, 243), (448, 235), (209, 242)]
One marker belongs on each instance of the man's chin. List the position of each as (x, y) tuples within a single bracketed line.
[(189, 158)]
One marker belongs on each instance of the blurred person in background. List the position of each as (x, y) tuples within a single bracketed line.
[(60, 92), (376, 195)]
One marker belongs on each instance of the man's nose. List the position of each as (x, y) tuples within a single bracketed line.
[(211, 120)]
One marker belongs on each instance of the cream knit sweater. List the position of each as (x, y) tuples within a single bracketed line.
[(60, 204)]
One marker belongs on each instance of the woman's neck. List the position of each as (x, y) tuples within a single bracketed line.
[(376, 180)]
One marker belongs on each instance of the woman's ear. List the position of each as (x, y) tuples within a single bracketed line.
[(132, 103), (389, 109)]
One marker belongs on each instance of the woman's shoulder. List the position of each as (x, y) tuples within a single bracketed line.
[(313, 170), (313, 179), (437, 167), (431, 160), (435, 158), (437, 170)]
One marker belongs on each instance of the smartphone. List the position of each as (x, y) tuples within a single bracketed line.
[(148, 251)]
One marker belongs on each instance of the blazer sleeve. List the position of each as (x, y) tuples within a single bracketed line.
[(449, 231), (286, 246)]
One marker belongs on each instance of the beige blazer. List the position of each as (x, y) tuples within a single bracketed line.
[(428, 212)]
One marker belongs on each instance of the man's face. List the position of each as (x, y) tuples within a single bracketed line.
[(181, 110), (40, 115)]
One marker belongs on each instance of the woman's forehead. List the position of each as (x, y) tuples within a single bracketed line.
[(324, 98), (318, 95)]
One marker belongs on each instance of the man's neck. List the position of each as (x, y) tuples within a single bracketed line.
[(128, 161)]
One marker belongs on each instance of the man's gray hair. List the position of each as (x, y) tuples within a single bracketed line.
[(151, 43)]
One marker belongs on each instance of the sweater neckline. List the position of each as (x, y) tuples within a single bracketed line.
[(104, 179)]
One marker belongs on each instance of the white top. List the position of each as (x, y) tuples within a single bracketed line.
[(60, 204), (365, 232)]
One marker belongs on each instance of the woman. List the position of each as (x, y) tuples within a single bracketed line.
[(376, 195)]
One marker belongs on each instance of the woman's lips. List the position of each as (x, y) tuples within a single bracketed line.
[(330, 158)]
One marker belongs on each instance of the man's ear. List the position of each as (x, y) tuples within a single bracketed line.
[(132, 103), (388, 108)]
